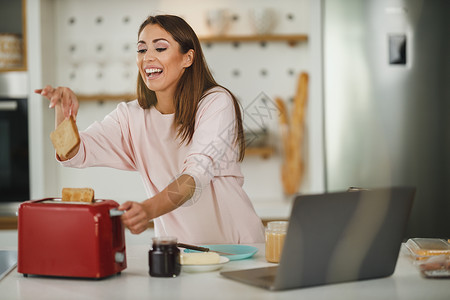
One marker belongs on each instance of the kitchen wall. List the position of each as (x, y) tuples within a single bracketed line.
[(93, 51)]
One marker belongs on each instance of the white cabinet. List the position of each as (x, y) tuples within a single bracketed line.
[(13, 35)]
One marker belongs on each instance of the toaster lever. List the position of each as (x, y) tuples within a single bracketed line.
[(114, 212)]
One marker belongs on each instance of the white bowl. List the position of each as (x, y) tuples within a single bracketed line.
[(264, 20)]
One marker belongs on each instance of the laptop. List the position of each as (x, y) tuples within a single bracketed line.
[(337, 237), (8, 261)]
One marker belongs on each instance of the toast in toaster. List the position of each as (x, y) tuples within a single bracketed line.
[(78, 194), (65, 137)]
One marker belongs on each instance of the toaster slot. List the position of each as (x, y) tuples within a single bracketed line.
[(59, 201)]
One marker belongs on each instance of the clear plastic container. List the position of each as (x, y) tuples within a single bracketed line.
[(431, 256), (422, 248), (275, 235)]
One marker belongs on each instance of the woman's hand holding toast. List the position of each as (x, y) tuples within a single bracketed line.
[(64, 101)]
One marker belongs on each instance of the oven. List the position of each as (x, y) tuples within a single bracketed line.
[(14, 158)]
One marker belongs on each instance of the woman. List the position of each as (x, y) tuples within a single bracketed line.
[(183, 134)]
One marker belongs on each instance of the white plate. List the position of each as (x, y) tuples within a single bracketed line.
[(206, 267), (238, 251)]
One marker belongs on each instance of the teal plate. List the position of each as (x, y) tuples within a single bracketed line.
[(238, 251)]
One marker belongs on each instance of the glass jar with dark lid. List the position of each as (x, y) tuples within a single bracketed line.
[(164, 257)]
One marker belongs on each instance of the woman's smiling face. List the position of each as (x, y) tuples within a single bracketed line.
[(160, 62)]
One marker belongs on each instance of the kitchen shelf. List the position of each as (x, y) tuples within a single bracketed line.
[(264, 152), (106, 97), (291, 39), (7, 6), (17, 69), (8, 222)]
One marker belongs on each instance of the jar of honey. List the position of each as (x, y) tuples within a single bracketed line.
[(275, 235)]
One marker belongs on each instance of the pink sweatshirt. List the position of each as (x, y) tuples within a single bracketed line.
[(144, 140)]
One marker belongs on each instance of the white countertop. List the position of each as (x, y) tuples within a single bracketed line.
[(135, 283)]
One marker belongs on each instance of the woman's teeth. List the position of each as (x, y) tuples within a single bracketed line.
[(153, 71)]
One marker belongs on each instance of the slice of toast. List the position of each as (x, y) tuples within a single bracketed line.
[(78, 194), (65, 137)]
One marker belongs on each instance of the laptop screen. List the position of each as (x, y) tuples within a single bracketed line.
[(344, 236)]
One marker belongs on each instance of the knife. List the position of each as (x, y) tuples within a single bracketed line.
[(202, 249)]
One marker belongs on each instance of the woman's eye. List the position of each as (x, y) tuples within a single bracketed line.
[(142, 50), (160, 49)]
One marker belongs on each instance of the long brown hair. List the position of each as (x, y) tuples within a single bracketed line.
[(193, 84)]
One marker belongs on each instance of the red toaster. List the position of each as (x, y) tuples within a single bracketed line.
[(70, 239)]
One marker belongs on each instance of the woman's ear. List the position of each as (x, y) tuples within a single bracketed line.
[(189, 58)]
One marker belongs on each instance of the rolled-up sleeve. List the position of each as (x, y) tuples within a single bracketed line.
[(213, 150), (106, 143)]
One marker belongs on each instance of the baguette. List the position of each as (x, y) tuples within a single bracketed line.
[(65, 138), (78, 194), (292, 131)]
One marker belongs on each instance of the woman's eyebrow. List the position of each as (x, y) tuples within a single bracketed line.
[(154, 41), (160, 39)]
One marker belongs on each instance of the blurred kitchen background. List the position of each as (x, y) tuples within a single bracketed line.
[(375, 114)]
